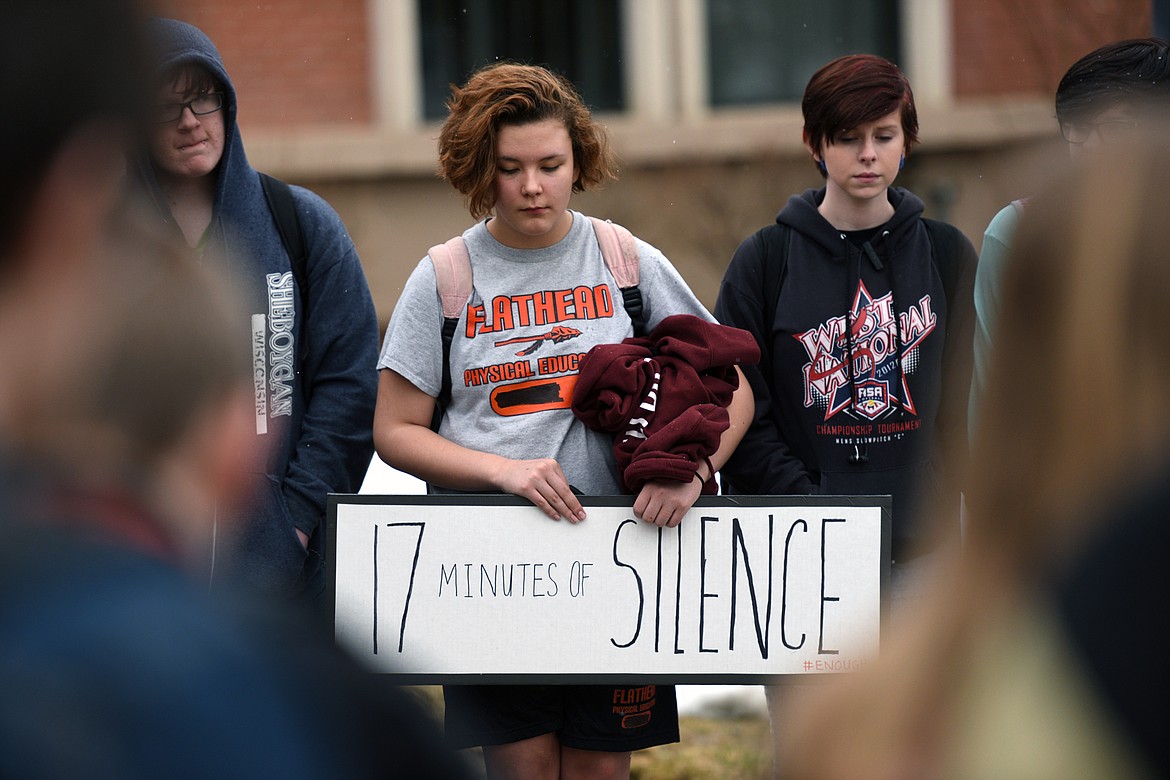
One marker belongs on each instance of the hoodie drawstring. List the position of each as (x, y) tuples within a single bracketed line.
[(860, 452)]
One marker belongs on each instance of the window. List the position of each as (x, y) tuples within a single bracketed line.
[(578, 38), (764, 51)]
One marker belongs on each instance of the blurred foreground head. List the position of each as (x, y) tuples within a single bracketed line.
[(119, 370), (1111, 92), (70, 74), (996, 675), (1076, 408), (148, 391), (71, 98)]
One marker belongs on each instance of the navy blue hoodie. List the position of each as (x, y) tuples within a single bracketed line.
[(316, 382), (840, 410)]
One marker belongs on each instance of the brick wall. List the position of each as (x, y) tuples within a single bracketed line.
[(293, 62), (1024, 46), (306, 62)]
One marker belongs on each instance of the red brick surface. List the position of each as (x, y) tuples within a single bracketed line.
[(307, 62), (1004, 47), (293, 62)]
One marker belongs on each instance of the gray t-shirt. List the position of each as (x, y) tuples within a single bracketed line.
[(532, 314)]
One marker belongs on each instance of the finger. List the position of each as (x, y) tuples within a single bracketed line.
[(653, 511), (540, 502), (640, 505), (557, 501), (562, 496), (573, 505)]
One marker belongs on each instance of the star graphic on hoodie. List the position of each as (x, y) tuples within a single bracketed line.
[(873, 332)]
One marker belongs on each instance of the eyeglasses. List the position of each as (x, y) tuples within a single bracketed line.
[(207, 103), (1108, 130)]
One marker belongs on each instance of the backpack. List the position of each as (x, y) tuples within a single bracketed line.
[(453, 279), (284, 211), (946, 246)]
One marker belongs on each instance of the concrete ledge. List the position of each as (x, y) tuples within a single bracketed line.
[(342, 153), (730, 135)]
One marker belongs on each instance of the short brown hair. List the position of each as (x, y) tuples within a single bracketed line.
[(853, 90), (512, 94), (189, 80)]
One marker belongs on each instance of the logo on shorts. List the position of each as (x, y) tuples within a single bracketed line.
[(635, 721), (635, 705)]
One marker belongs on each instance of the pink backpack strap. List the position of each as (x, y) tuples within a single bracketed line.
[(452, 274), (619, 250)]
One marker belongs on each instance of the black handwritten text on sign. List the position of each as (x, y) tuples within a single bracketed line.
[(448, 588)]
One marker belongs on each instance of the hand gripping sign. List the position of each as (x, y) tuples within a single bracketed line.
[(487, 589)]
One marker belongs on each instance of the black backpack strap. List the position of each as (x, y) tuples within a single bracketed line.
[(619, 250), (632, 301), (773, 243), (946, 247), (453, 282), (284, 211), (448, 334)]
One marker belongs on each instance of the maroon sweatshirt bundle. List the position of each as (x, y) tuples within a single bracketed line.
[(664, 396)]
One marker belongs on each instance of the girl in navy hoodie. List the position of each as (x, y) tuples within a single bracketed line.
[(862, 311)]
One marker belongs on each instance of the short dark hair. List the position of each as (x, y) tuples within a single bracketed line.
[(1133, 69), (190, 79), (853, 90), (62, 63)]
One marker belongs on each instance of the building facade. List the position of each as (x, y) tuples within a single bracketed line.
[(701, 98)]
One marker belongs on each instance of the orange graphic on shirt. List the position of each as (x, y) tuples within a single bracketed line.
[(557, 335), (536, 395), (539, 309), (528, 386)]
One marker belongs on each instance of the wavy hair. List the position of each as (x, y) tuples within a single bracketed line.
[(514, 94)]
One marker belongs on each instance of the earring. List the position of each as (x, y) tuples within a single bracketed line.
[(901, 162), (821, 165)]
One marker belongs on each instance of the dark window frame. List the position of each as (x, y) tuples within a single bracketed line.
[(580, 39), (765, 51)]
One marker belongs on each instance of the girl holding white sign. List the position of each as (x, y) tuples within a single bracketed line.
[(517, 143)]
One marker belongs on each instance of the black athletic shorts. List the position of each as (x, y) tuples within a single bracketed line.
[(587, 717)]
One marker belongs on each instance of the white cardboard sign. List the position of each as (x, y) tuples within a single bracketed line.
[(487, 589)]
